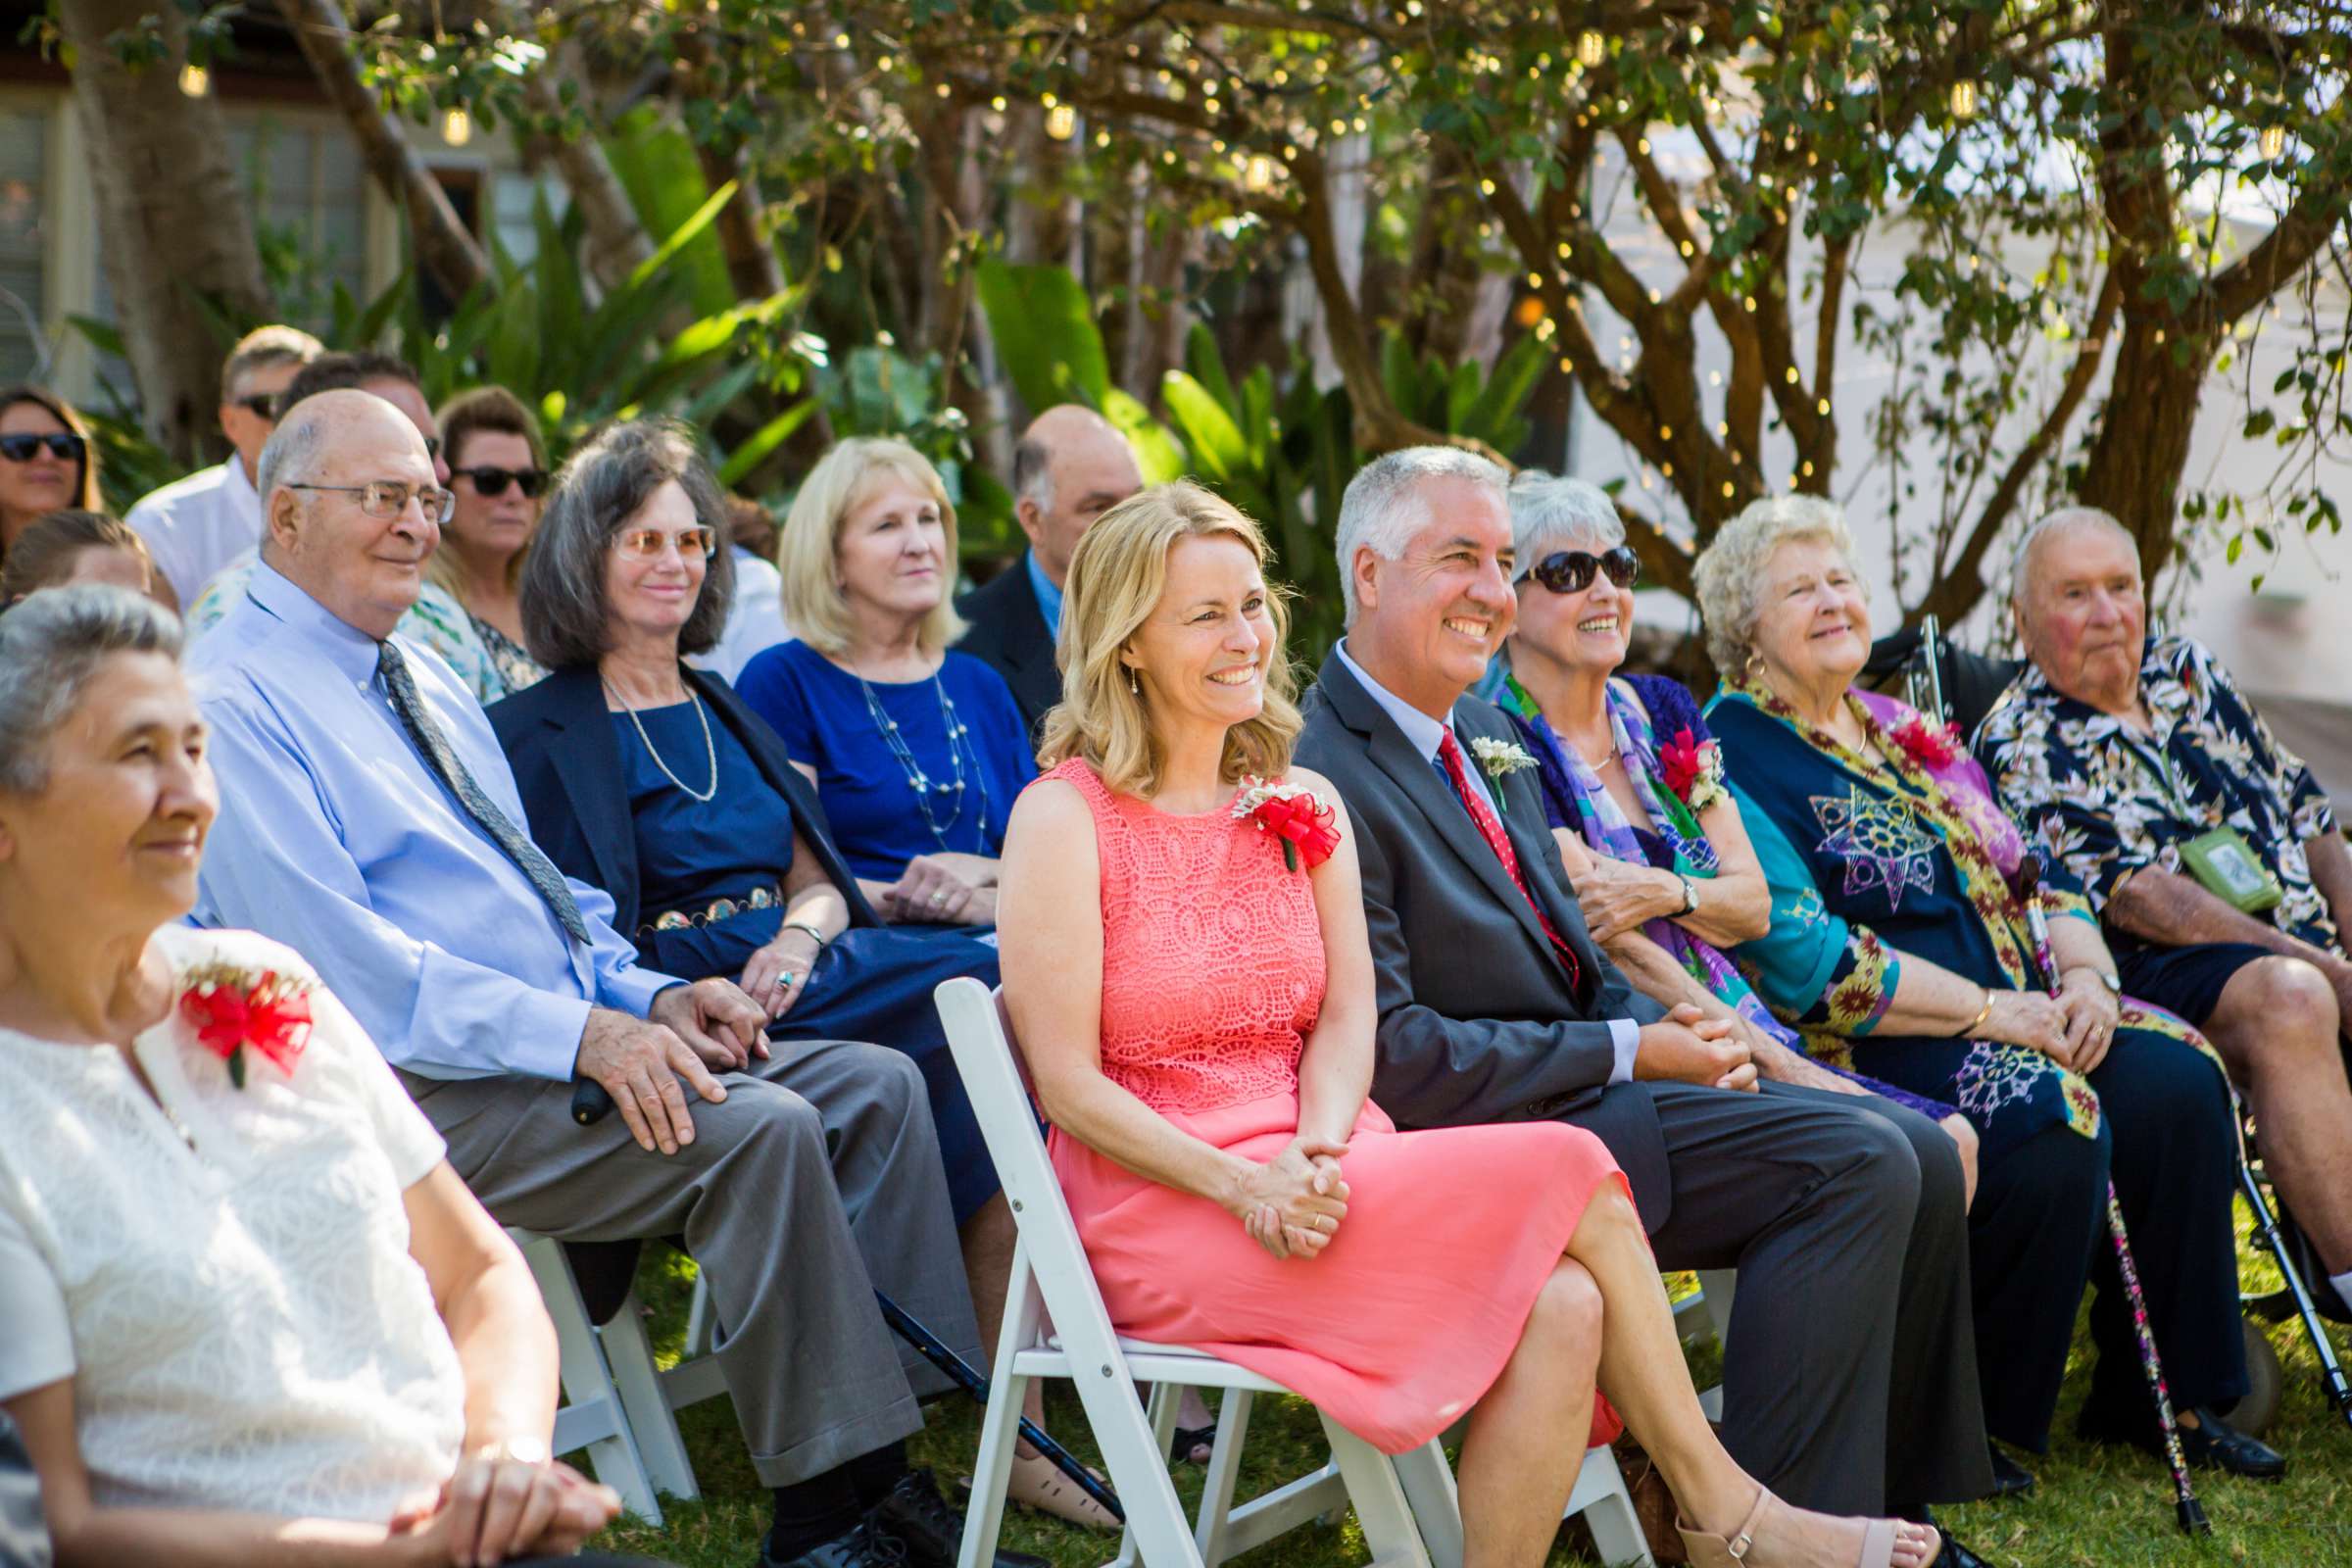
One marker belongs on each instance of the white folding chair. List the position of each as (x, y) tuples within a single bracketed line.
[(1706, 1313), (1408, 1507), (617, 1402)]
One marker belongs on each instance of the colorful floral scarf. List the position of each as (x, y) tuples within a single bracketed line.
[(1603, 825)]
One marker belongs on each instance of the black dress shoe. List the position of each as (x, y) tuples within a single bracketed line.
[(914, 1517), (2009, 1478), (2211, 1444), (1955, 1555), (861, 1546)]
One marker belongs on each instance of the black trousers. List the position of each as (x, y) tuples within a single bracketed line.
[(1850, 1372)]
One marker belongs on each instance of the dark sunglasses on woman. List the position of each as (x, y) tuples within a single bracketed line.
[(1570, 572), (63, 445), (491, 483)]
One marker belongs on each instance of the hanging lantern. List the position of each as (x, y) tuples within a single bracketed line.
[(1257, 174), (457, 128), (1963, 100), (1061, 121), (1591, 48), (195, 81), (2274, 142)]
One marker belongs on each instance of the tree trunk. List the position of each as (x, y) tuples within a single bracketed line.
[(2137, 458), (618, 243), (753, 266), (443, 247), (172, 214)]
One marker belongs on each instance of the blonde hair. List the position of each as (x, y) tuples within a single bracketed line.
[(1729, 575), (808, 544), (1116, 578)]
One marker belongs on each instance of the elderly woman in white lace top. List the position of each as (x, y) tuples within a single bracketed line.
[(252, 1316)]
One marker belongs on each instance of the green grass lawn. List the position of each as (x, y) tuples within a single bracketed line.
[(2095, 1507)]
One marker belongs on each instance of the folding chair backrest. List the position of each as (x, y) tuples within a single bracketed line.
[(980, 1037)]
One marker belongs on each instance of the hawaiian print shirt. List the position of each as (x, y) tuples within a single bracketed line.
[(2107, 804)]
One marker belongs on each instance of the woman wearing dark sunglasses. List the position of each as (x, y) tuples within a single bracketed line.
[(48, 462), (1662, 864), (497, 471)]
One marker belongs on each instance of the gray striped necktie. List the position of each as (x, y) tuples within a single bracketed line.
[(545, 879)]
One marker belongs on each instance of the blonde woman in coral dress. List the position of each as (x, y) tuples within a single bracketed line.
[(1195, 995)]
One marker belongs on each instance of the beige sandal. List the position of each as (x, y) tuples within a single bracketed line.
[(1036, 1484), (1717, 1552)]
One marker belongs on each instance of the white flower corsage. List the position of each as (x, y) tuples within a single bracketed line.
[(1499, 761)]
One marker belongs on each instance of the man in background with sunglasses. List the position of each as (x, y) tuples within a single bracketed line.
[(197, 526)]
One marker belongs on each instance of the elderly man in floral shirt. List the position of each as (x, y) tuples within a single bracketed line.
[(2207, 848)]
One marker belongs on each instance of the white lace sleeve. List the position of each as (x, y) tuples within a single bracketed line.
[(407, 1139), (38, 1347)]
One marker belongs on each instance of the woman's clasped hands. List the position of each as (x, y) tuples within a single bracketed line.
[(1291, 1205), (496, 1507)]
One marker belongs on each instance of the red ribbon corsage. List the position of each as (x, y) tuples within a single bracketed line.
[(230, 1008), (1292, 814), (1929, 745)]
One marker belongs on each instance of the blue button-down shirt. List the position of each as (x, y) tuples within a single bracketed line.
[(1049, 594), (338, 837), (1425, 735)]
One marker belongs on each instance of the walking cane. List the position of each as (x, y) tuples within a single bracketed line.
[(954, 1366), (592, 1104), (2186, 1506)]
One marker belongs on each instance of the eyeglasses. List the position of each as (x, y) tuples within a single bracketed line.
[(1570, 572), (23, 447), (491, 483), (386, 499), (646, 544), (261, 405)]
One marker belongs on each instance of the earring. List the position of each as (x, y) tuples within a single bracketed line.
[(1134, 687), (1755, 665)]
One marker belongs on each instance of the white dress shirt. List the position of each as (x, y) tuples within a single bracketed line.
[(755, 621), (1425, 735), (197, 526)]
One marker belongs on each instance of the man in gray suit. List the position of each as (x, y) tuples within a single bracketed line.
[(1849, 1374)]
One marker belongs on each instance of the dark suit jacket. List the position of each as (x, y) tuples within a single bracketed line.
[(1006, 632), (559, 739), (24, 1533), (1478, 1022)]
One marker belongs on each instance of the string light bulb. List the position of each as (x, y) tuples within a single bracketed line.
[(1963, 100), (2274, 142), (457, 128), (195, 81), (1257, 174), (1591, 48), (1061, 121)]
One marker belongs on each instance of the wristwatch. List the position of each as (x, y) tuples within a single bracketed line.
[(2107, 978), (1690, 897)]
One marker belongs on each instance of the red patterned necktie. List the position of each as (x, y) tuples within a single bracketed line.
[(1490, 828)]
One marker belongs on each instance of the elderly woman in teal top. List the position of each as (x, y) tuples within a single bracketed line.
[(1899, 941)]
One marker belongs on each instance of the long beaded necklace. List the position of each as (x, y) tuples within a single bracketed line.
[(709, 751), (920, 781)]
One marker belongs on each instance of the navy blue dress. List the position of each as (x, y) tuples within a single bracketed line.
[(820, 709), (871, 983)]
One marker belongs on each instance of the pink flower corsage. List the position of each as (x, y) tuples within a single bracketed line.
[(1292, 814), (1929, 745), (231, 1007), (1693, 770)]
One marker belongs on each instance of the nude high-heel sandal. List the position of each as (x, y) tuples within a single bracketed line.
[(1721, 1552)]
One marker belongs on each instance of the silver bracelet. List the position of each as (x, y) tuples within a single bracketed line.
[(801, 925)]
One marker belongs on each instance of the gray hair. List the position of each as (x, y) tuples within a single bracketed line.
[(1553, 510), (50, 646), (1032, 473), (2064, 520), (566, 622), (1383, 506), (1729, 575), (290, 454)]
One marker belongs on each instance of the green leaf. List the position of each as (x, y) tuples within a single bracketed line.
[(1045, 332), (1211, 434), (1157, 453), (763, 441)]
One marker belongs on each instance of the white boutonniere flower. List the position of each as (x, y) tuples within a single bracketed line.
[(1499, 761)]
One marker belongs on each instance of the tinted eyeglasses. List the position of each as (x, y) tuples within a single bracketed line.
[(1571, 571), (386, 499), (25, 446), (491, 483), (261, 405), (646, 544)]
